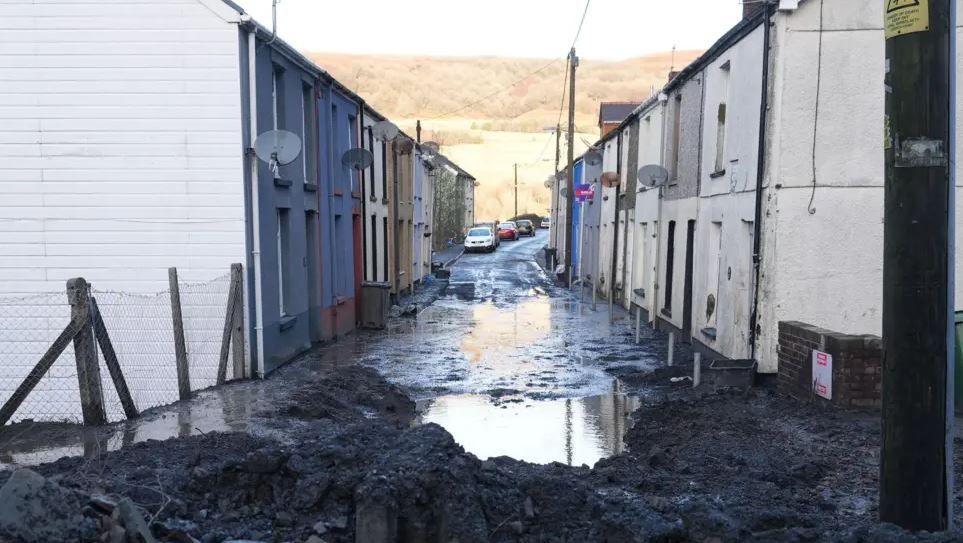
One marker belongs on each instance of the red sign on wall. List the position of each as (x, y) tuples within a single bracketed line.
[(823, 374)]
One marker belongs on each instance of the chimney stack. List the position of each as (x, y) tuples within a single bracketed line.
[(750, 8)]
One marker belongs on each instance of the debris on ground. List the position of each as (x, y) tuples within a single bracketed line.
[(720, 467)]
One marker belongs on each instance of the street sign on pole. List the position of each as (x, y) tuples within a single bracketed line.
[(584, 193)]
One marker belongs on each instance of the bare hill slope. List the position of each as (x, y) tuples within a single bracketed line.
[(490, 113)]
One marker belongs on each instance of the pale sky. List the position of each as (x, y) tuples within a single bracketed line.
[(613, 30)]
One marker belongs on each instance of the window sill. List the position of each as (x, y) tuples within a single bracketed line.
[(356, 195), (310, 187), (282, 183), (667, 312), (337, 192), (288, 322), (709, 333), (640, 292), (717, 174)]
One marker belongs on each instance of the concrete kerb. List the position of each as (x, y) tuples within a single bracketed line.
[(455, 259)]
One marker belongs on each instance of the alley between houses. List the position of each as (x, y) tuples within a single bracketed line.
[(497, 413)]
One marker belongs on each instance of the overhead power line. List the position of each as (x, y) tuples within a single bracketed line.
[(495, 93), (580, 23)]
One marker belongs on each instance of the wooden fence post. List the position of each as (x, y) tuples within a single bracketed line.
[(230, 336), (110, 360), (38, 371), (180, 345), (237, 334), (88, 367)]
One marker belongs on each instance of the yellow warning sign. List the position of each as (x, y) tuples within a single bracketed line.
[(906, 17)]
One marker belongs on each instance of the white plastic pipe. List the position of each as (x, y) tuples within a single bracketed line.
[(255, 211)]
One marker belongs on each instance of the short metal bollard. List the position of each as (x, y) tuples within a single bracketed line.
[(638, 324), (697, 370), (671, 348)]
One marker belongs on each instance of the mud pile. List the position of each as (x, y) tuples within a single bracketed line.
[(701, 468)]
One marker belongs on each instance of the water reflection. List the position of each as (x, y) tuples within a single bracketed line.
[(572, 431)]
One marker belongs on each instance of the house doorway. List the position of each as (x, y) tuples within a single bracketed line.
[(687, 294)]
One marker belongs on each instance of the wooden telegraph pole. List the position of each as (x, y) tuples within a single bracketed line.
[(570, 184), (915, 472), (516, 191)]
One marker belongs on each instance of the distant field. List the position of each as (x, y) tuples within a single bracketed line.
[(501, 128)]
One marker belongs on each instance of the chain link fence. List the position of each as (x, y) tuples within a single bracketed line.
[(141, 330)]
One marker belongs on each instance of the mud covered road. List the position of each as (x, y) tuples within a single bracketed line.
[(497, 414)]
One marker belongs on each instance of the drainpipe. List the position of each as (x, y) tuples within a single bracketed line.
[(615, 223), (397, 237), (654, 315), (255, 210), (760, 167), (364, 197)]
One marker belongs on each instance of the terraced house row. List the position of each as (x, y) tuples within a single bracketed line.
[(127, 129), (773, 141)]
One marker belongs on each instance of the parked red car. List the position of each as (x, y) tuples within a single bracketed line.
[(508, 230)]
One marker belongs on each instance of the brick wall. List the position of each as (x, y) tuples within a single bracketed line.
[(857, 364)]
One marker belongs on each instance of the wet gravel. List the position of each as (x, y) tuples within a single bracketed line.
[(330, 450)]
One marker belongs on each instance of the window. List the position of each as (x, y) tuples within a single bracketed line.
[(720, 164), (676, 137), (385, 234), (374, 248), (372, 149), (335, 149), (309, 133), (277, 97), (352, 143), (669, 272), (277, 105), (384, 171), (284, 260), (713, 268)]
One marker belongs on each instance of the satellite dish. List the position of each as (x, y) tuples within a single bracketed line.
[(653, 175), (548, 183), (593, 157), (477, 183), (357, 158), (384, 131), (563, 191), (431, 146), (405, 146), (610, 179), (277, 147)]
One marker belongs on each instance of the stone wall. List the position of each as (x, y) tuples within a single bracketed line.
[(857, 364)]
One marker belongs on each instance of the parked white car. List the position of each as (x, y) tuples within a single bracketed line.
[(480, 238)]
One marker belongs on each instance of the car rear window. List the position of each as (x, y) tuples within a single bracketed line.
[(525, 223), (506, 225), (479, 232)]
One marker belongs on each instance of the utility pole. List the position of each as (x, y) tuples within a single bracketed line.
[(418, 130), (916, 486), (516, 191), (558, 158), (570, 185)]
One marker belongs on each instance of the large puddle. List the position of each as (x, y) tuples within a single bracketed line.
[(572, 431)]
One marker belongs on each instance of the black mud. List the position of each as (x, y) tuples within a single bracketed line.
[(730, 467)]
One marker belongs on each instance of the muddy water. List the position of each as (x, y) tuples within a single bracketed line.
[(572, 431), (506, 362)]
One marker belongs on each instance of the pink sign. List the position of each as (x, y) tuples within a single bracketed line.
[(823, 374)]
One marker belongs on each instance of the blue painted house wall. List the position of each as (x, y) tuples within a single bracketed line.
[(576, 218), (338, 207), (305, 212)]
